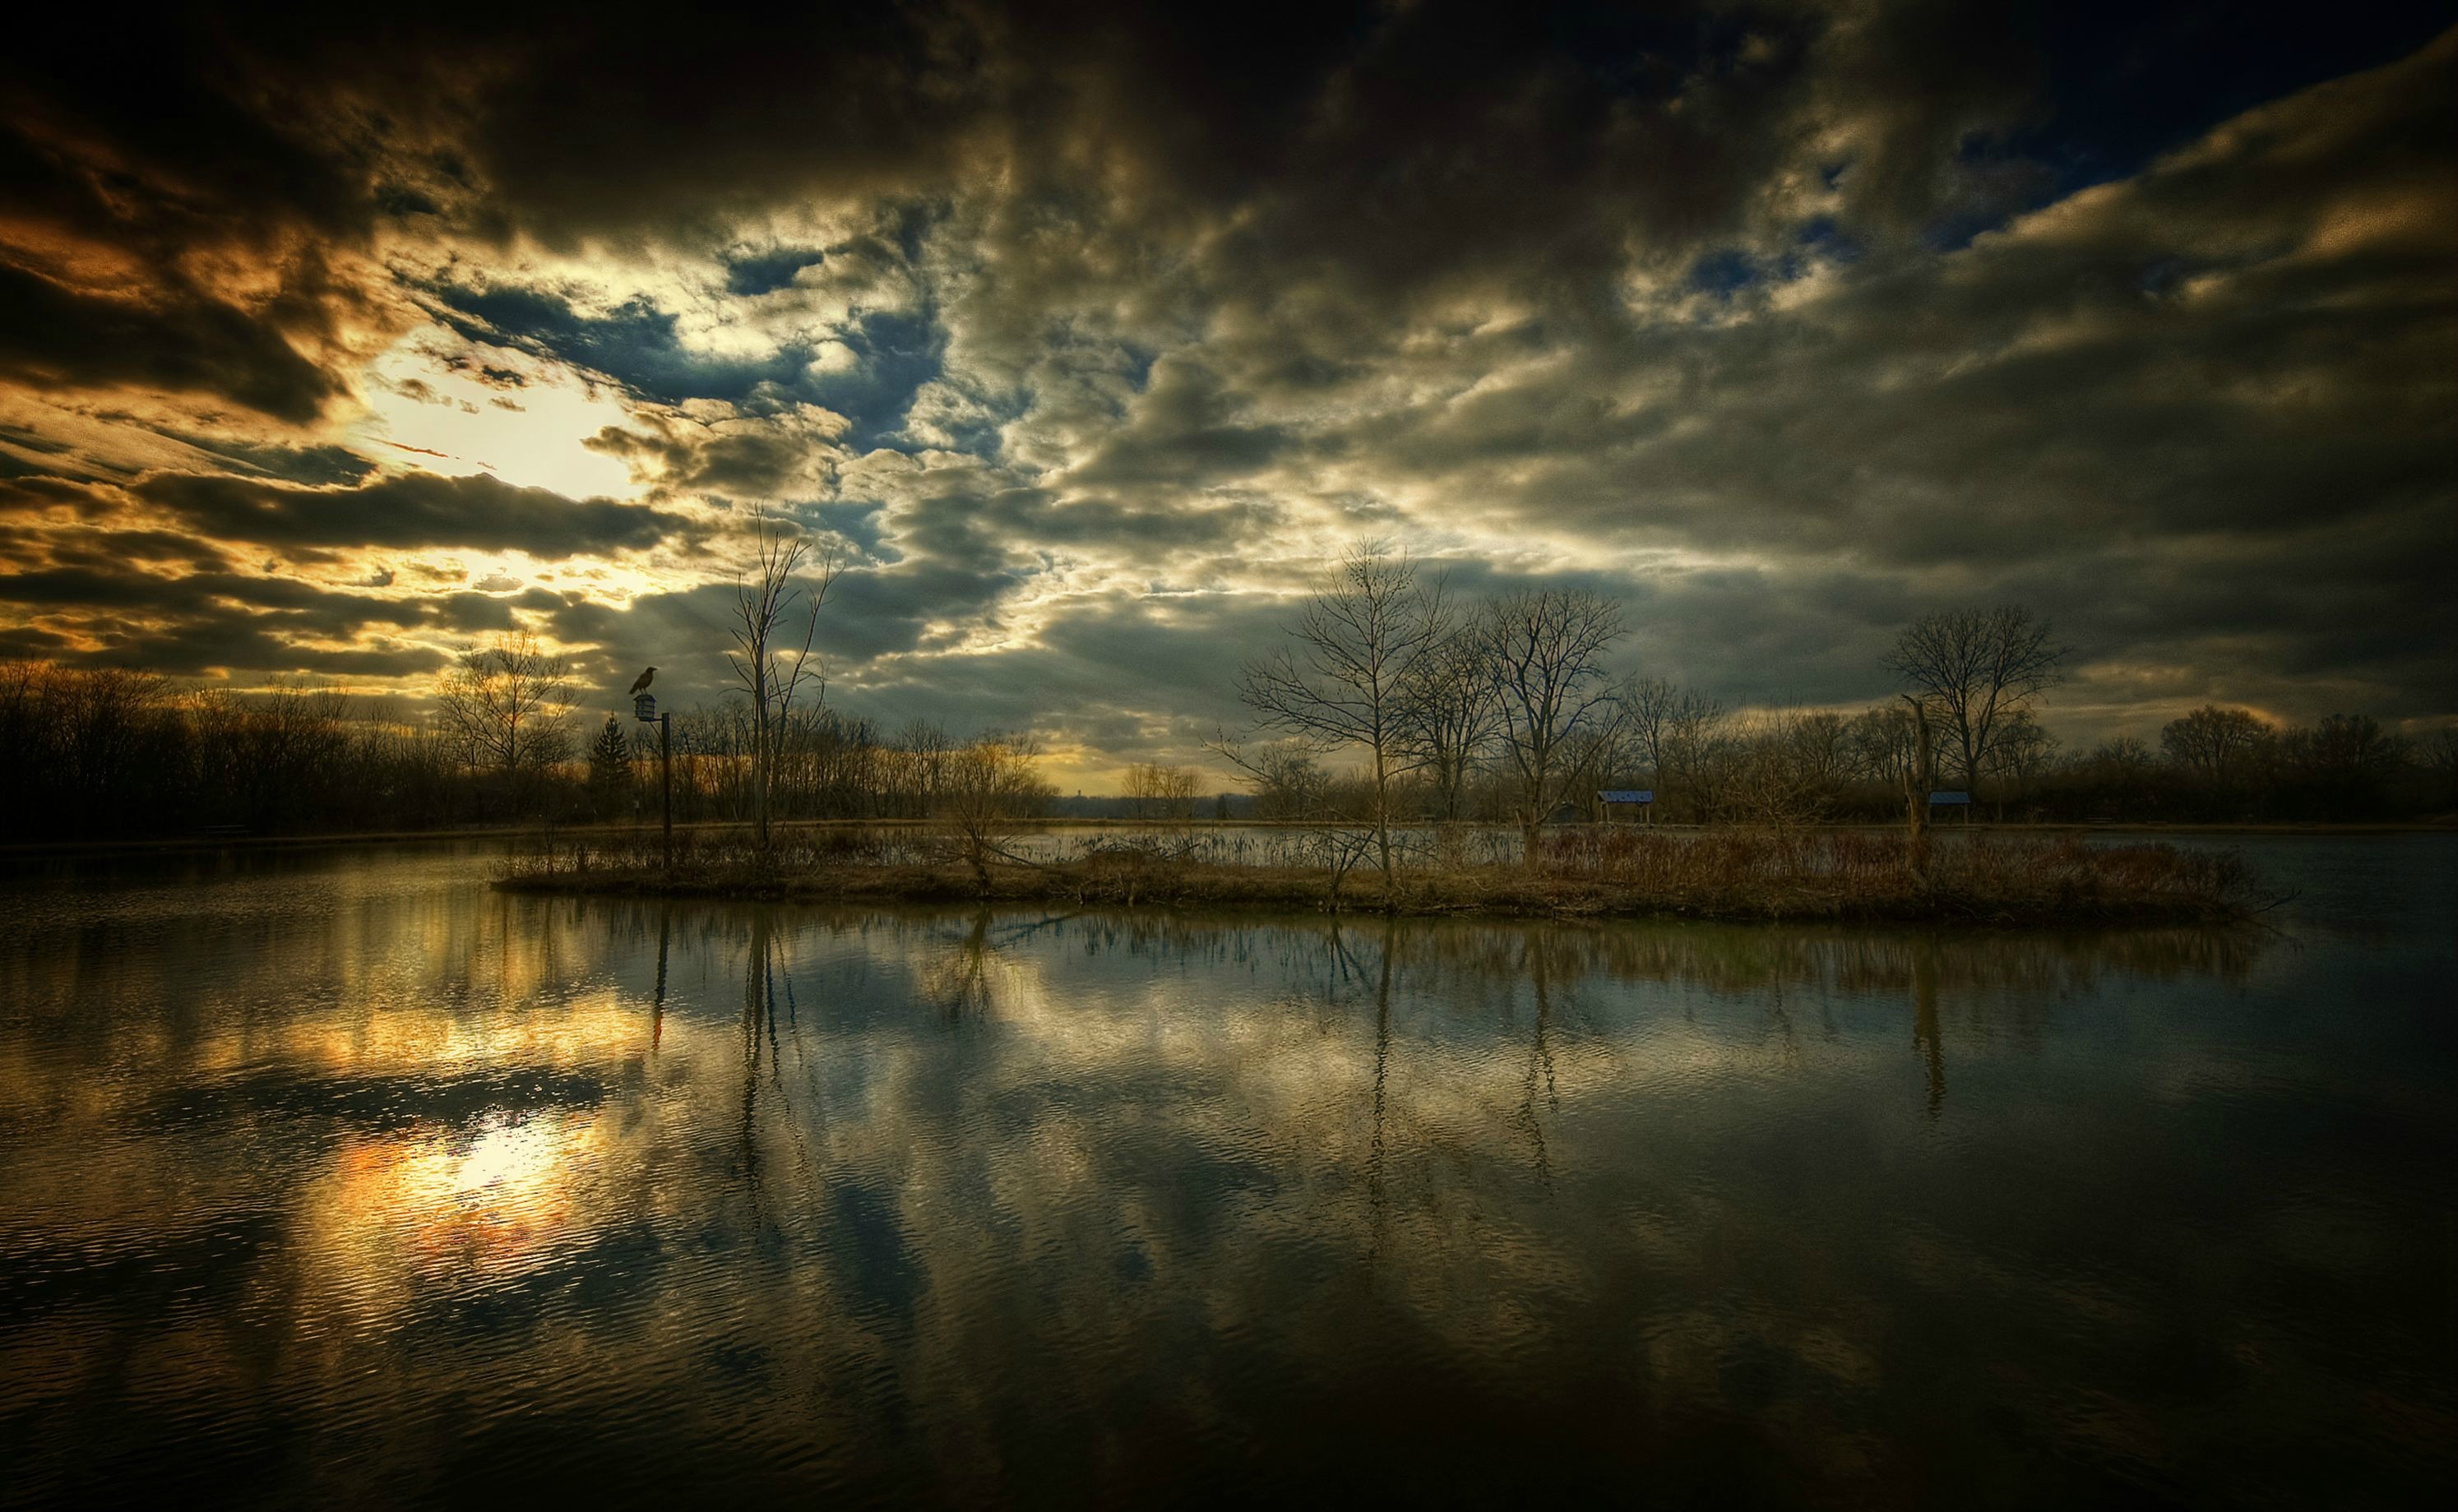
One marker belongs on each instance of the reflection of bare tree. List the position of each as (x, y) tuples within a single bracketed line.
[(960, 982), (957, 983), (1751, 958), (765, 975), (761, 976), (1375, 1197), (1925, 1032), (1540, 1059), (657, 1003), (755, 986)]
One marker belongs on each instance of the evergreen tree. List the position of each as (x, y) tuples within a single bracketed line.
[(610, 764)]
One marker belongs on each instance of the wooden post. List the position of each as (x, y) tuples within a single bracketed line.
[(666, 780)]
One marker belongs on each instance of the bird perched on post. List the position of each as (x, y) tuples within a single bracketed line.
[(642, 686)]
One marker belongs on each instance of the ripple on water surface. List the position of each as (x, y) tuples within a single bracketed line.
[(335, 1176)]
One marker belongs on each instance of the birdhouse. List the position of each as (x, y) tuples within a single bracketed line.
[(644, 708)]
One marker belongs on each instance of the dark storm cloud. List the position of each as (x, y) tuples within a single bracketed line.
[(1185, 428), (314, 467), (181, 339), (157, 600), (416, 509), (767, 272), (178, 224), (730, 458)]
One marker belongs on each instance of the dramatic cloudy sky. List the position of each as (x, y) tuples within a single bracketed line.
[(328, 349)]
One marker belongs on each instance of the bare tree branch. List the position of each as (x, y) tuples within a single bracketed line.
[(1545, 654), (1976, 669), (1350, 678), (765, 595)]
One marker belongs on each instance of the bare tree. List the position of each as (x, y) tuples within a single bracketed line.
[(2217, 744), (922, 752), (1349, 679), (1881, 740), (1677, 731), (2349, 755), (2440, 754), (2022, 752), (990, 785), (1976, 669), (764, 596), (1919, 779), (506, 706), (1287, 782), (1158, 791), (2124, 768), (1455, 710), (1770, 773), (1545, 652), (1822, 744)]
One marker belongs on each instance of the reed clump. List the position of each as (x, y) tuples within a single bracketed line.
[(1773, 874)]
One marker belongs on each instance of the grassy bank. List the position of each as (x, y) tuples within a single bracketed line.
[(1729, 875), (609, 835)]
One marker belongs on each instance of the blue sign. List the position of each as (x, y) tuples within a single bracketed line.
[(1950, 799), (1626, 795)]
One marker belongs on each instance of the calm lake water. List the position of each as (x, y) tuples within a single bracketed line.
[(330, 1177)]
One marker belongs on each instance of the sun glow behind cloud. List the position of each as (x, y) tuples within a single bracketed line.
[(430, 406)]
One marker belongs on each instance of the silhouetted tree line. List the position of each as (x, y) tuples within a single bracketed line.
[(99, 754), (1399, 703), (824, 764), (1443, 710), (104, 753), (1713, 765)]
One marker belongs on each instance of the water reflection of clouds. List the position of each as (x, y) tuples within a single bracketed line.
[(432, 1206), (940, 1158)]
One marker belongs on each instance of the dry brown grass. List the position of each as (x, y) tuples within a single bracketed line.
[(1746, 875)]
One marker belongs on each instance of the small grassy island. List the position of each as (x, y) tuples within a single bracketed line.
[(1586, 873)]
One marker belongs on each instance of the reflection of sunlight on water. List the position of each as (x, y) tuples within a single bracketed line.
[(433, 1206), (409, 1041)]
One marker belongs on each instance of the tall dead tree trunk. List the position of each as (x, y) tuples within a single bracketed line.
[(1917, 782), (1353, 677), (763, 598)]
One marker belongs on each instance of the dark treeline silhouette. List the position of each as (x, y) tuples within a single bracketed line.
[(1506, 710), (1398, 703), (1828, 766), (103, 753), (1723, 767), (108, 753), (99, 753)]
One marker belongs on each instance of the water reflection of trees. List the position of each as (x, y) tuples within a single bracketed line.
[(1538, 973), (1453, 1103), (1724, 959), (422, 1005)]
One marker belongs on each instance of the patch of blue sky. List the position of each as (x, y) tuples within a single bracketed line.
[(1724, 273), (751, 273), (638, 345), (2125, 82), (1821, 237), (895, 353), (862, 522)]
